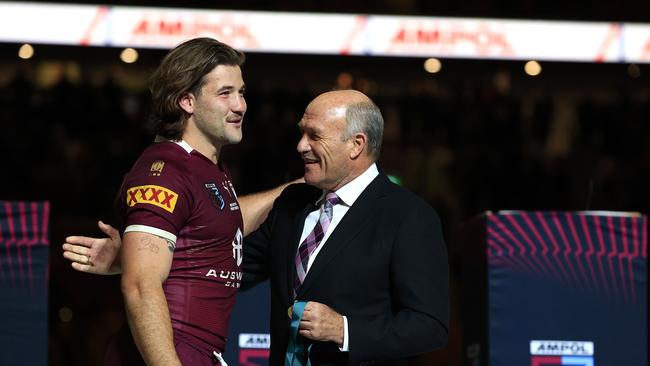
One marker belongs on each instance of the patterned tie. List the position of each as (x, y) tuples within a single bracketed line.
[(312, 240)]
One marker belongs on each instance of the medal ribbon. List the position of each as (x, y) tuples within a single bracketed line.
[(299, 347)]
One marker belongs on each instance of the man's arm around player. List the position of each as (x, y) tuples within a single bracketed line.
[(102, 255)]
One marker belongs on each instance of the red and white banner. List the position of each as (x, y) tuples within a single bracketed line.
[(636, 47), (342, 34)]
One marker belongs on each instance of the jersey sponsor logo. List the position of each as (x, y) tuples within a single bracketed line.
[(156, 168), (231, 278), (152, 195), (215, 195), (237, 247)]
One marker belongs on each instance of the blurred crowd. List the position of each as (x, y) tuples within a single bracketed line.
[(466, 143)]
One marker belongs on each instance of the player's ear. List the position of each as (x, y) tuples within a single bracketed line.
[(186, 102)]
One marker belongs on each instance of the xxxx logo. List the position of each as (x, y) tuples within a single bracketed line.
[(153, 195)]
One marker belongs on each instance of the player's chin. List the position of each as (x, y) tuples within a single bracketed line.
[(235, 138)]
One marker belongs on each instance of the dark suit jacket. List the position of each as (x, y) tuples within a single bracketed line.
[(384, 267)]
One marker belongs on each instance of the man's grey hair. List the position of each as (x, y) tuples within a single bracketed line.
[(365, 117)]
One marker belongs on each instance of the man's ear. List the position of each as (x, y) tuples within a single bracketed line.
[(359, 143), (186, 102)]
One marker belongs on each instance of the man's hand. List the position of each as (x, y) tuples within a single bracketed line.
[(94, 255), (321, 323)]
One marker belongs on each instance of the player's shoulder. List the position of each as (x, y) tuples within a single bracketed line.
[(173, 152), (161, 162), (159, 177), (167, 155)]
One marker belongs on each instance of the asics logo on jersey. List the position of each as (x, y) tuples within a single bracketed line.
[(152, 195)]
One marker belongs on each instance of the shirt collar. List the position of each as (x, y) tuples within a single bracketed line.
[(353, 189), (184, 145)]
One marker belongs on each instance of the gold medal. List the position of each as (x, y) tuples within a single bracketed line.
[(290, 311)]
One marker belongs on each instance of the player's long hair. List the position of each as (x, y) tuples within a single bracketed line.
[(181, 71)]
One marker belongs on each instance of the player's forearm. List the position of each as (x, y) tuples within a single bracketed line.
[(255, 207), (148, 316)]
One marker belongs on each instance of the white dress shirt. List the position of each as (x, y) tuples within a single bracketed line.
[(348, 195)]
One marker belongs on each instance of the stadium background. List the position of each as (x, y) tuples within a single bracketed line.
[(479, 135)]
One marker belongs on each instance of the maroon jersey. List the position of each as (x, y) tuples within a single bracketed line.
[(177, 193)]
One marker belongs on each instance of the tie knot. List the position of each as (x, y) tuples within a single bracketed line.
[(332, 199)]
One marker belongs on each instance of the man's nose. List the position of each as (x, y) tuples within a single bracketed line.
[(239, 104), (302, 146)]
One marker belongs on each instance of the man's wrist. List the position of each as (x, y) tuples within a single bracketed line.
[(344, 344)]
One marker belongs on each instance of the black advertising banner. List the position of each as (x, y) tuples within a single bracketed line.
[(561, 288), (24, 253), (249, 340)]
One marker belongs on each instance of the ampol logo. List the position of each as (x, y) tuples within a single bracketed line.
[(554, 353), (250, 340)]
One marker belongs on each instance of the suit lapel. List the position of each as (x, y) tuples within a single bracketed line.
[(292, 245), (357, 217)]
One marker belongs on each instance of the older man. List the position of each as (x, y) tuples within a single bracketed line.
[(366, 255)]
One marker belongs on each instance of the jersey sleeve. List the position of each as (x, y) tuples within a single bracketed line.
[(158, 197)]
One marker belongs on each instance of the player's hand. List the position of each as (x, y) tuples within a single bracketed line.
[(94, 255), (321, 323)]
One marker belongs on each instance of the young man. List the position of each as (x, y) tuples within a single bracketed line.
[(182, 222)]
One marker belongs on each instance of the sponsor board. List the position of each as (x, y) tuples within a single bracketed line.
[(555, 352)]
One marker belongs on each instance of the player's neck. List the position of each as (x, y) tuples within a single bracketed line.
[(203, 146)]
